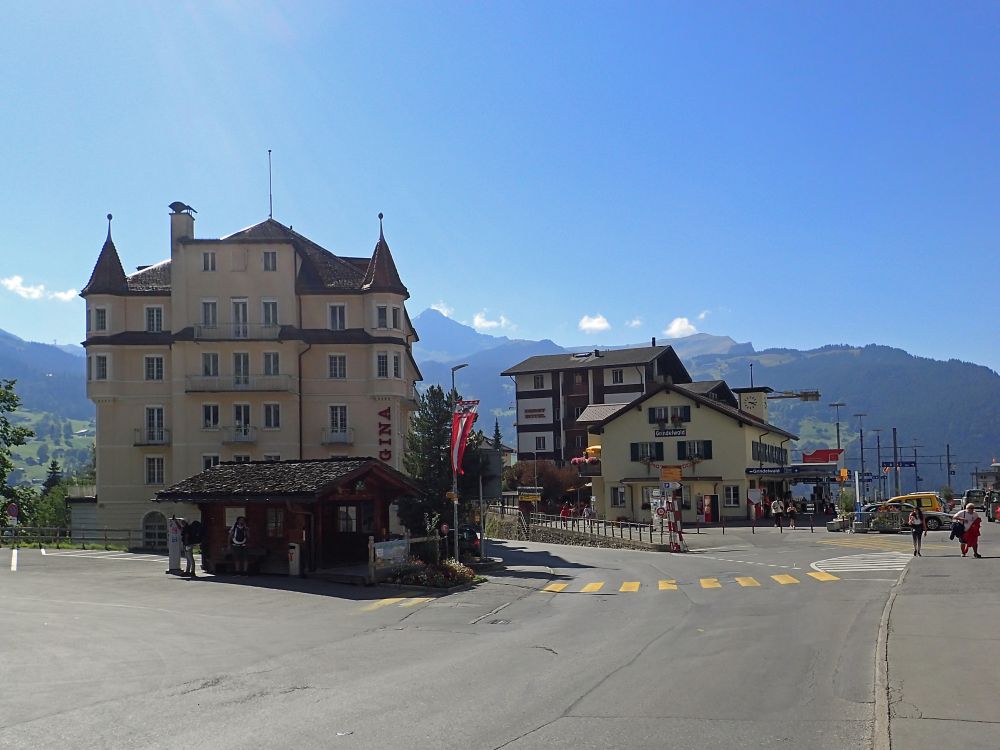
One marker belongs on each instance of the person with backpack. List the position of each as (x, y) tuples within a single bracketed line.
[(971, 522), (190, 536), (238, 538)]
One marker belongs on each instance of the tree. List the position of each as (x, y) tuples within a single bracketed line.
[(497, 435), (10, 436), (53, 478)]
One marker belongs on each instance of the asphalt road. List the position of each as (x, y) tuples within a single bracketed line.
[(738, 645)]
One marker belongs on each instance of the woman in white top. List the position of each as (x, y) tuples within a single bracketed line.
[(971, 521)]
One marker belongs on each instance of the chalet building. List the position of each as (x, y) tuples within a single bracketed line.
[(721, 442), (551, 392), (259, 346)]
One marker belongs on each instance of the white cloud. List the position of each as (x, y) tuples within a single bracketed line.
[(679, 327), (703, 314), (634, 323), (593, 324), (16, 285), (442, 308), (481, 323)]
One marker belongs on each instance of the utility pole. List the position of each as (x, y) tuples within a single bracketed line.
[(895, 462), (880, 492), (947, 451), (837, 405), (861, 431), (916, 471)]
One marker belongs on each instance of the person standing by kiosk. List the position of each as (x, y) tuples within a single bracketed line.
[(238, 538)]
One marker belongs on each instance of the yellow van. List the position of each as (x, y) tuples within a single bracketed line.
[(926, 501)]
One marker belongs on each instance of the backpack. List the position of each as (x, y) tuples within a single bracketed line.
[(239, 535)]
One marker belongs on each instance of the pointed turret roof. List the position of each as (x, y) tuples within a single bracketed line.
[(382, 275), (109, 275)]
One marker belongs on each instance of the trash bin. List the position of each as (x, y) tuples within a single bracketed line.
[(294, 559)]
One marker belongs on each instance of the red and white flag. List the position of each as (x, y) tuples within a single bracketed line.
[(461, 425)]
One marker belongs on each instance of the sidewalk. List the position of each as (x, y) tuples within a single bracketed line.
[(943, 651)]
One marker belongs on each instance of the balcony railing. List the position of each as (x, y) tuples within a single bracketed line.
[(151, 436), (228, 331), (239, 434), (337, 437), (204, 383)]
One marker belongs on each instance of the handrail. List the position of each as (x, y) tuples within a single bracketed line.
[(23, 536)]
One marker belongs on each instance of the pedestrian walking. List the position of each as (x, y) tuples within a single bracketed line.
[(190, 537), (777, 509), (971, 523), (239, 536), (565, 513), (918, 529), (791, 511), (589, 514)]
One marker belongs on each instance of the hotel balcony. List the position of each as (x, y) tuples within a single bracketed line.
[(239, 434), (236, 331), (217, 383), (151, 436), (337, 437)]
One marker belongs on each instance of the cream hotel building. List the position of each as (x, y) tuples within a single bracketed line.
[(258, 346)]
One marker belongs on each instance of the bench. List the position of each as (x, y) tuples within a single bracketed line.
[(226, 563)]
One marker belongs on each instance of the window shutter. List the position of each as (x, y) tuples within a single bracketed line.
[(635, 451), (707, 444), (681, 450), (686, 413), (659, 451), (652, 415)]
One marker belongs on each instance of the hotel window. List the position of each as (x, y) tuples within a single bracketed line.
[(539, 382), (396, 318), (347, 519), (579, 441), (101, 367), (381, 314), (577, 411), (270, 260), (154, 319), (338, 317), (241, 458), (272, 416), (210, 416), (272, 457), (208, 460), (338, 418), (617, 497), (269, 312), (540, 443), (210, 364), (646, 451), (100, 319), (397, 366), (154, 367), (382, 365), (271, 363), (731, 496), (241, 369), (275, 522), (209, 313), (680, 413), (90, 368), (617, 377), (688, 449), (208, 261), (338, 366), (154, 469)]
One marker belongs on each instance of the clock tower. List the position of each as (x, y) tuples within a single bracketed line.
[(754, 401)]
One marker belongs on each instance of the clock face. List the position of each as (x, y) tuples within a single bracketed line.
[(749, 402)]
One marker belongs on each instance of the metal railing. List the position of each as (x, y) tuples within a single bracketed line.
[(216, 383), (25, 536), (239, 434), (600, 527), (227, 331), (337, 437), (151, 436)]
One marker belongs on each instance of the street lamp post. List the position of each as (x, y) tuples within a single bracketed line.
[(861, 431), (454, 469), (837, 405), (878, 462)]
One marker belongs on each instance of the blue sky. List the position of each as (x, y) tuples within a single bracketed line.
[(791, 174)]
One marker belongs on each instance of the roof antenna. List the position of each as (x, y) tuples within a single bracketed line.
[(270, 198)]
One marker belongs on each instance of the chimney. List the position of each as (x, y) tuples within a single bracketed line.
[(597, 352), (654, 341), (181, 224)]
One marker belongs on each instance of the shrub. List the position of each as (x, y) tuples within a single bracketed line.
[(444, 575)]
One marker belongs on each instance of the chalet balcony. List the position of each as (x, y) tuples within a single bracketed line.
[(337, 437), (236, 332), (151, 436), (239, 434), (225, 383)]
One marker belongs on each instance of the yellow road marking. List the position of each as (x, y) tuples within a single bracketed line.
[(630, 586), (668, 584), (784, 579), (710, 583), (555, 588), (824, 576), (383, 603), (590, 588), (747, 581), (416, 600)]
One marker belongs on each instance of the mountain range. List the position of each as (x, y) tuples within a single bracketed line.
[(934, 404)]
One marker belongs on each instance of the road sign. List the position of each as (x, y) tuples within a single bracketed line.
[(900, 464), (12, 510), (670, 473), (670, 485), (444, 529), (661, 512)]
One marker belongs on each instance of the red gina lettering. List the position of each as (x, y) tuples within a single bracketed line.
[(385, 455)]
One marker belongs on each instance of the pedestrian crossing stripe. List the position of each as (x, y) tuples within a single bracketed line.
[(666, 584), (865, 562), (710, 583), (593, 588), (898, 545), (746, 581), (555, 588), (629, 586), (823, 576), (785, 579)]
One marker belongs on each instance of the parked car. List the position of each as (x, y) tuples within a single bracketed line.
[(976, 497), (934, 519), (470, 539), (926, 501)]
